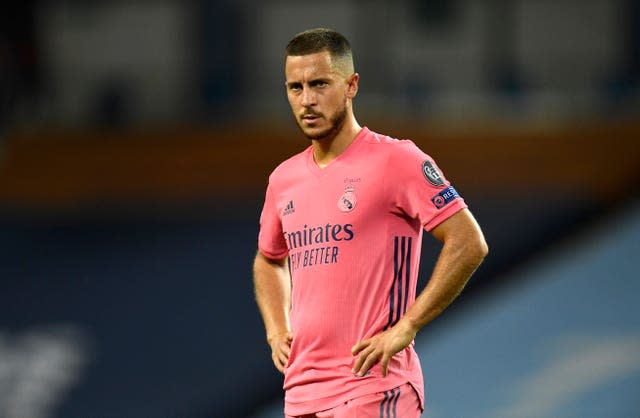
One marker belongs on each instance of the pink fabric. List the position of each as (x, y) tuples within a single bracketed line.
[(400, 402), (353, 234)]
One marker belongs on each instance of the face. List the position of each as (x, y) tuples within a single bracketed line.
[(319, 94)]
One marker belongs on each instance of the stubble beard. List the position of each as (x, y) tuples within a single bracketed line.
[(336, 122)]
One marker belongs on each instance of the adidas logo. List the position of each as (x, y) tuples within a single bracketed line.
[(289, 209)]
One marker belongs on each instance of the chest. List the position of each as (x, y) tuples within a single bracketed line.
[(332, 202)]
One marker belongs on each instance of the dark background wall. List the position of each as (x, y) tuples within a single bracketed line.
[(136, 141)]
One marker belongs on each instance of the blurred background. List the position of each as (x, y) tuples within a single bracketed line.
[(136, 139)]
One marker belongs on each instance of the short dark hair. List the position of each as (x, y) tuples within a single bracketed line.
[(317, 40)]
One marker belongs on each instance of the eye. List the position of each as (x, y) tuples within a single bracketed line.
[(295, 87)]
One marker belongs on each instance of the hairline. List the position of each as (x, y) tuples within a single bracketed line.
[(341, 63)]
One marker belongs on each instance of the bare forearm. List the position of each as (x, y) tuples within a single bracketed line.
[(273, 294), (463, 250), (455, 265), (453, 269)]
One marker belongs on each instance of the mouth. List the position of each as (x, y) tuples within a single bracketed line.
[(310, 117)]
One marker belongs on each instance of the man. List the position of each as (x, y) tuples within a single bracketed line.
[(339, 248)]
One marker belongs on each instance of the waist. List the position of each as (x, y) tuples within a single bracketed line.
[(311, 386)]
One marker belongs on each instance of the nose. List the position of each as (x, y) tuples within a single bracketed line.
[(308, 97)]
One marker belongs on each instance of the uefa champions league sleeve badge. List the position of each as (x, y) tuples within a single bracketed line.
[(432, 174), (348, 200)]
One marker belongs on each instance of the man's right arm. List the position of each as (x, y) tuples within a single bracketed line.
[(272, 286)]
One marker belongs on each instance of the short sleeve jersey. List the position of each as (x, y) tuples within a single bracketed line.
[(352, 232)]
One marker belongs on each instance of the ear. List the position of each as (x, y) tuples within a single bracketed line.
[(352, 85)]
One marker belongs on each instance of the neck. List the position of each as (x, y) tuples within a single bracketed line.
[(328, 149)]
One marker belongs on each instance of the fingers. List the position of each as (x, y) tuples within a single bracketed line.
[(285, 348), (289, 339), (359, 346), (280, 352), (381, 347), (384, 363), (369, 354), (280, 360), (366, 361)]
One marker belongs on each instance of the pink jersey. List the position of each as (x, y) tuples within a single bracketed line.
[(353, 234)]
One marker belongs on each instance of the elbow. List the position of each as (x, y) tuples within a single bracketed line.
[(482, 249), (478, 249), (483, 246)]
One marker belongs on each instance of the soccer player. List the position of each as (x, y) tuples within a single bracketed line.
[(339, 247)]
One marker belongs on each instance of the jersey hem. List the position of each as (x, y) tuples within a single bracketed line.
[(273, 256), (446, 214), (321, 404)]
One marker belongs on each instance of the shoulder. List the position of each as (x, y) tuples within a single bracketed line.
[(397, 149), (405, 161)]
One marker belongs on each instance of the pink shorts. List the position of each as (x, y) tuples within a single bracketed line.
[(401, 402)]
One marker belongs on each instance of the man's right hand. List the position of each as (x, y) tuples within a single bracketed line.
[(280, 349)]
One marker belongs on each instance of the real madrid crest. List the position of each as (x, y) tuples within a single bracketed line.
[(348, 200)]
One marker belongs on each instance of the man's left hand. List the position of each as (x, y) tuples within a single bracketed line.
[(381, 347)]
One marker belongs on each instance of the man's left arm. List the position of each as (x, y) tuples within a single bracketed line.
[(463, 250)]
